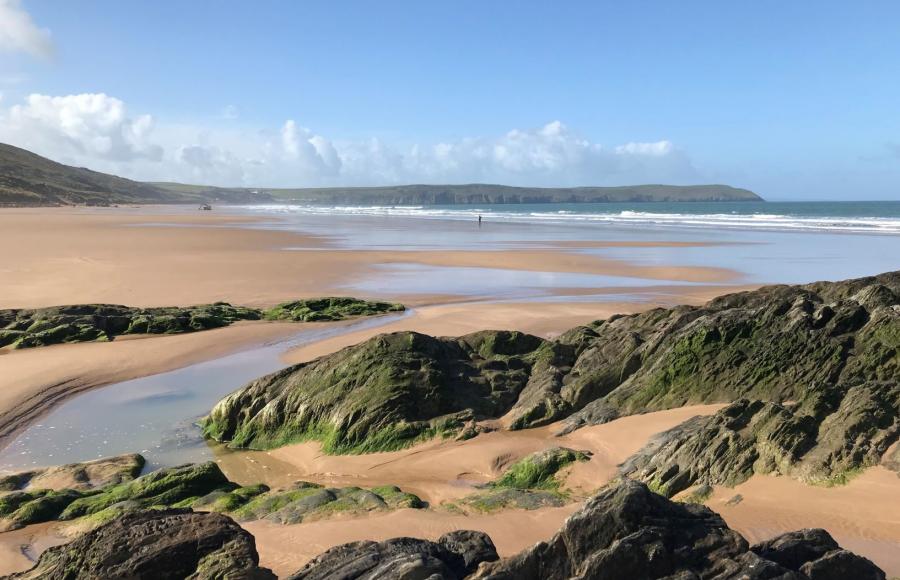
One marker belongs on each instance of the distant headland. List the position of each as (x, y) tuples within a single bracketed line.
[(27, 179)]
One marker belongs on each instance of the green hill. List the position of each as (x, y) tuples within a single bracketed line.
[(27, 179)]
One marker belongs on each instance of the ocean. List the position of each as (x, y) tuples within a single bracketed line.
[(867, 217)]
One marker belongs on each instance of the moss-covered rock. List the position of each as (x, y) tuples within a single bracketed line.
[(382, 394), (99, 322), (820, 440), (308, 501), (530, 483), (166, 487), (539, 470), (329, 309), (25, 328)]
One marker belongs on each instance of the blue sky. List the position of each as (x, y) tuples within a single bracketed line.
[(795, 100)]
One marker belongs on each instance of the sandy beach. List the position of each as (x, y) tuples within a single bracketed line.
[(166, 256)]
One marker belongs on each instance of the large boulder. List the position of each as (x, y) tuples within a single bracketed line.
[(627, 531), (155, 545), (452, 557), (381, 394)]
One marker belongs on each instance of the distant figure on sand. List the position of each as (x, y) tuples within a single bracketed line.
[(479, 220)]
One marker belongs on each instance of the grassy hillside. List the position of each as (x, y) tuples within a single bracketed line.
[(29, 179)]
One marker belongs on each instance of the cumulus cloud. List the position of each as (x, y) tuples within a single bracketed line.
[(92, 126), (18, 33), (96, 131)]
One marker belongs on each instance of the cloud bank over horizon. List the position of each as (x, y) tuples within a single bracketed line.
[(96, 130)]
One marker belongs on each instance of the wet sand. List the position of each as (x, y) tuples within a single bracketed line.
[(161, 257), (156, 256), (440, 471)]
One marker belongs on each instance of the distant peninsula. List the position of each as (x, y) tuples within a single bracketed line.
[(27, 179)]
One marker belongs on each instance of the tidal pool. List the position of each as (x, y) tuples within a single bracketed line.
[(156, 415)]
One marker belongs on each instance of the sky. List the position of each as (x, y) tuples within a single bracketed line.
[(794, 100)]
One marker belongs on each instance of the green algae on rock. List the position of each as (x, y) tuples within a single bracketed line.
[(823, 439), (103, 322), (380, 395), (530, 483), (329, 309), (200, 486), (305, 501), (26, 328)]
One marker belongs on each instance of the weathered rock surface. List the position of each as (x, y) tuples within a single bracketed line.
[(80, 476), (305, 501), (381, 394), (101, 322), (626, 531), (155, 544), (329, 309), (824, 438), (199, 486), (530, 483), (452, 557), (779, 344), (23, 328), (165, 487), (776, 343)]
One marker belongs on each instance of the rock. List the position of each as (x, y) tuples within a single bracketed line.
[(454, 556), (529, 483), (329, 309), (813, 441), (155, 544), (100, 322), (80, 476), (626, 531), (308, 501), (380, 395), (775, 344), (830, 346), (815, 554), (24, 328), (538, 470), (164, 487)]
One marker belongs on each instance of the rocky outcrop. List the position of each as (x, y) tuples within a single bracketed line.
[(305, 501), (102, 322), (824, 438), (199, 486), (775, 344), (381, 394), (811, 343), (453, 556), (626, 531), (21, 328), (155, 544), (530, 483), (165, 487), (329, 309), (79, 476)]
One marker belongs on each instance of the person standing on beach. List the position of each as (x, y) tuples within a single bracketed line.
[(479, 220)]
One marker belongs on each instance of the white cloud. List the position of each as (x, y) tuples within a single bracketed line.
[(18, 33), (93, 126), (94, 130)]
